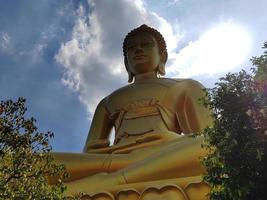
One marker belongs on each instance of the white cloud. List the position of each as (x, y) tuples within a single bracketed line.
[(171, 36), (33, 55), (92, 60), (5, 40), (219, 49)]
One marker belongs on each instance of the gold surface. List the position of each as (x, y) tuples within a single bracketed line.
[(192, 188), (153, 118)]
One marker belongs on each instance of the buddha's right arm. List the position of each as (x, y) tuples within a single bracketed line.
[(98, 136)]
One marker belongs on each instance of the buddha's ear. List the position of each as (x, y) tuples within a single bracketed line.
[(130, 77), (163, 57), (163, 60), (130, 74), (161, 69)]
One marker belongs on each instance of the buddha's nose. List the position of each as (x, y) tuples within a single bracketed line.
[(138, 50)]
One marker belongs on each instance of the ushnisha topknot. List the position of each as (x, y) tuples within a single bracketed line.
[(139, 30)]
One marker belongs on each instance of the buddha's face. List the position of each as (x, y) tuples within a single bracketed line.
[(142, 54)]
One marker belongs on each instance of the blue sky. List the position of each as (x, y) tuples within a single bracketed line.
[(65, 56)]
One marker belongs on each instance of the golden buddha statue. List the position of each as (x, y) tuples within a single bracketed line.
[(153, 118)]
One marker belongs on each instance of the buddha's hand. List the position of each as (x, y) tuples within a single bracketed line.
[(97, 144), (166, 136), (149, 137)]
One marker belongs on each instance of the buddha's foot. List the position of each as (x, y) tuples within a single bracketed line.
[(94, 183)]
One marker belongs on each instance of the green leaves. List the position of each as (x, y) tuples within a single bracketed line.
[(236, 164), (25, 162)]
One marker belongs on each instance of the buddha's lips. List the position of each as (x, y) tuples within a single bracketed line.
[(139, 57)]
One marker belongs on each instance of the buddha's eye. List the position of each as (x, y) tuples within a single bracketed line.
[(146, 44), (130, 47)]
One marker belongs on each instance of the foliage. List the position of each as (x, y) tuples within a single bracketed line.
[(25, 163), (236, 163)]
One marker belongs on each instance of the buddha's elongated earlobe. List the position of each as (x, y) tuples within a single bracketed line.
[(161, 66), (130, 74), (161, 69), (130, 77)]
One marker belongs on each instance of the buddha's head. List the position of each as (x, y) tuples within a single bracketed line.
[(144, 50)]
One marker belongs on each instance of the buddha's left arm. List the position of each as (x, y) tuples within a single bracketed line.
[(193, 116), (98, 136)]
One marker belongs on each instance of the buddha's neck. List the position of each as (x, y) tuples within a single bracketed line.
[(145, 76)]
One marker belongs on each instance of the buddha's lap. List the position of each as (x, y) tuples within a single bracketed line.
[(157, 158), (119, 159)]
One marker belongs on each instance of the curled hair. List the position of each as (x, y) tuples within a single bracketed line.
[(159, 38)]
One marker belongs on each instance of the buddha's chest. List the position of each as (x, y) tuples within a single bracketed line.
[(136, 96), (141, 109)]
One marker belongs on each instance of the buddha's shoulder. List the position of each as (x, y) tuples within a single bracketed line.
[(173, 87), (161, 82), (120, 91), (169, 84), (181, 83), (118, 94)]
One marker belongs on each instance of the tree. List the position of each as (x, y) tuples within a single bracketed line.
[(236, 163), (25, 163)]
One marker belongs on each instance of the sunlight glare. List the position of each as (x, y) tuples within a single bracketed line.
[(220, 49)]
